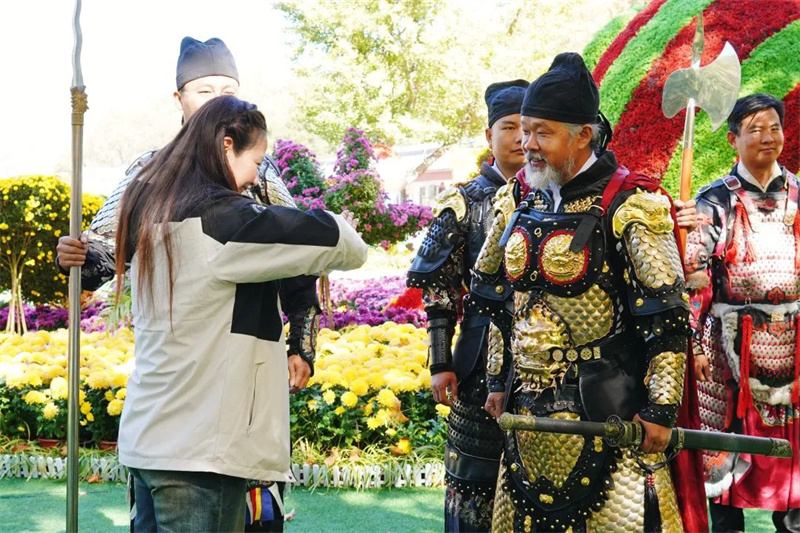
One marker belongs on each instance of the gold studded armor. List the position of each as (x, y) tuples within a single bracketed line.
[(655, 275), (596, 289), (494, 359), (491, 255)]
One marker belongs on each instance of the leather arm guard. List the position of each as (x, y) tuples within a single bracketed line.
[(656, 298), (100, 265), (300, 303), (302, 340), (440, 334)]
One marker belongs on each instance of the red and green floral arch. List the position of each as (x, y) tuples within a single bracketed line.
[(633, 55)]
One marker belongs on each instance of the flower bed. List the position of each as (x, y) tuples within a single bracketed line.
[(50, 318), (370, 390), (373, 303), (33, 388)]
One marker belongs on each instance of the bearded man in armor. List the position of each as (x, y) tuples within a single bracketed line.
[(743, 267), (582, 275), (442, 268)]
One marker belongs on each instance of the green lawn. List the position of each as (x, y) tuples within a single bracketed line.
[(40, 506)]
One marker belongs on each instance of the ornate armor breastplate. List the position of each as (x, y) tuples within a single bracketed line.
[(542, 252), (566, 310), (770, 275)]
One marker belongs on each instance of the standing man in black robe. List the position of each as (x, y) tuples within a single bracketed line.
[(442, 269)]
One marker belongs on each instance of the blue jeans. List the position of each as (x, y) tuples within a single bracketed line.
[(171, 501)]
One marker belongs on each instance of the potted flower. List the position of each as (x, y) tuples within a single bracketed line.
[(101, 411), (52, 423), (51, 419)]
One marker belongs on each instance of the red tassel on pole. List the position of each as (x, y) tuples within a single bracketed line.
[(745, 394), (796, 386), (796, 227)]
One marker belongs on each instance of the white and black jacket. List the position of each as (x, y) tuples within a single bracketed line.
[(209, 391)]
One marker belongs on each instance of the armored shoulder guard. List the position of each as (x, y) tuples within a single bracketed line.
[(269, 188), (437, 246), (452, 198), (504, 201), (650, 209), (717, 192), (104, 223)]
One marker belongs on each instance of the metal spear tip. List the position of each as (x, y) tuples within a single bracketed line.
[(698, 42)]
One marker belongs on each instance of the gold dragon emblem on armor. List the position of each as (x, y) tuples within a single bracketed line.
[(516, 255), (558, 263), (451, 199), (536, 332), (649, 208)]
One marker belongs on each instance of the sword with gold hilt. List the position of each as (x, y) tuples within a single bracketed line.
[(713, 88), (620, 433)]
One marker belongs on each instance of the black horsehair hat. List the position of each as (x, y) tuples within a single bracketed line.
[(565, 93), (504, 98)]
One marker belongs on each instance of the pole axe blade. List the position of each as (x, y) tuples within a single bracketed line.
[(713, 88)]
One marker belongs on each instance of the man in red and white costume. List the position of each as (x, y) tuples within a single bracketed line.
[(743, 266)]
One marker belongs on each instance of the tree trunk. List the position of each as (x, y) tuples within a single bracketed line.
[(16, 313)]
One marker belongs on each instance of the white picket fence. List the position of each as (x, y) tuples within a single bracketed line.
[(107, 468)]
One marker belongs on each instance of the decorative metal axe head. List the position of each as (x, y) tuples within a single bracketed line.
[(714, 87)]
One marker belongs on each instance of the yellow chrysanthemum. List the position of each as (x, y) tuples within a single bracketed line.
[(98, 380), (339, 410), (35, 396), (329, 397), (121, 393), (443, 410), (387, 398), (349, 399), (115, 407), (373, 423), (90, 417), (391, 432), (313, 405), (349, 374), (109, 395), (384, 416), (404, 445), (86, 407), (50, 411), (119, 379), (359, 387), (368, 409)]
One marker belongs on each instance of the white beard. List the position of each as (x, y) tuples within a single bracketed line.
[(541, 179)]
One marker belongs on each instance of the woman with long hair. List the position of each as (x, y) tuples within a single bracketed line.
[(208, 401)]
